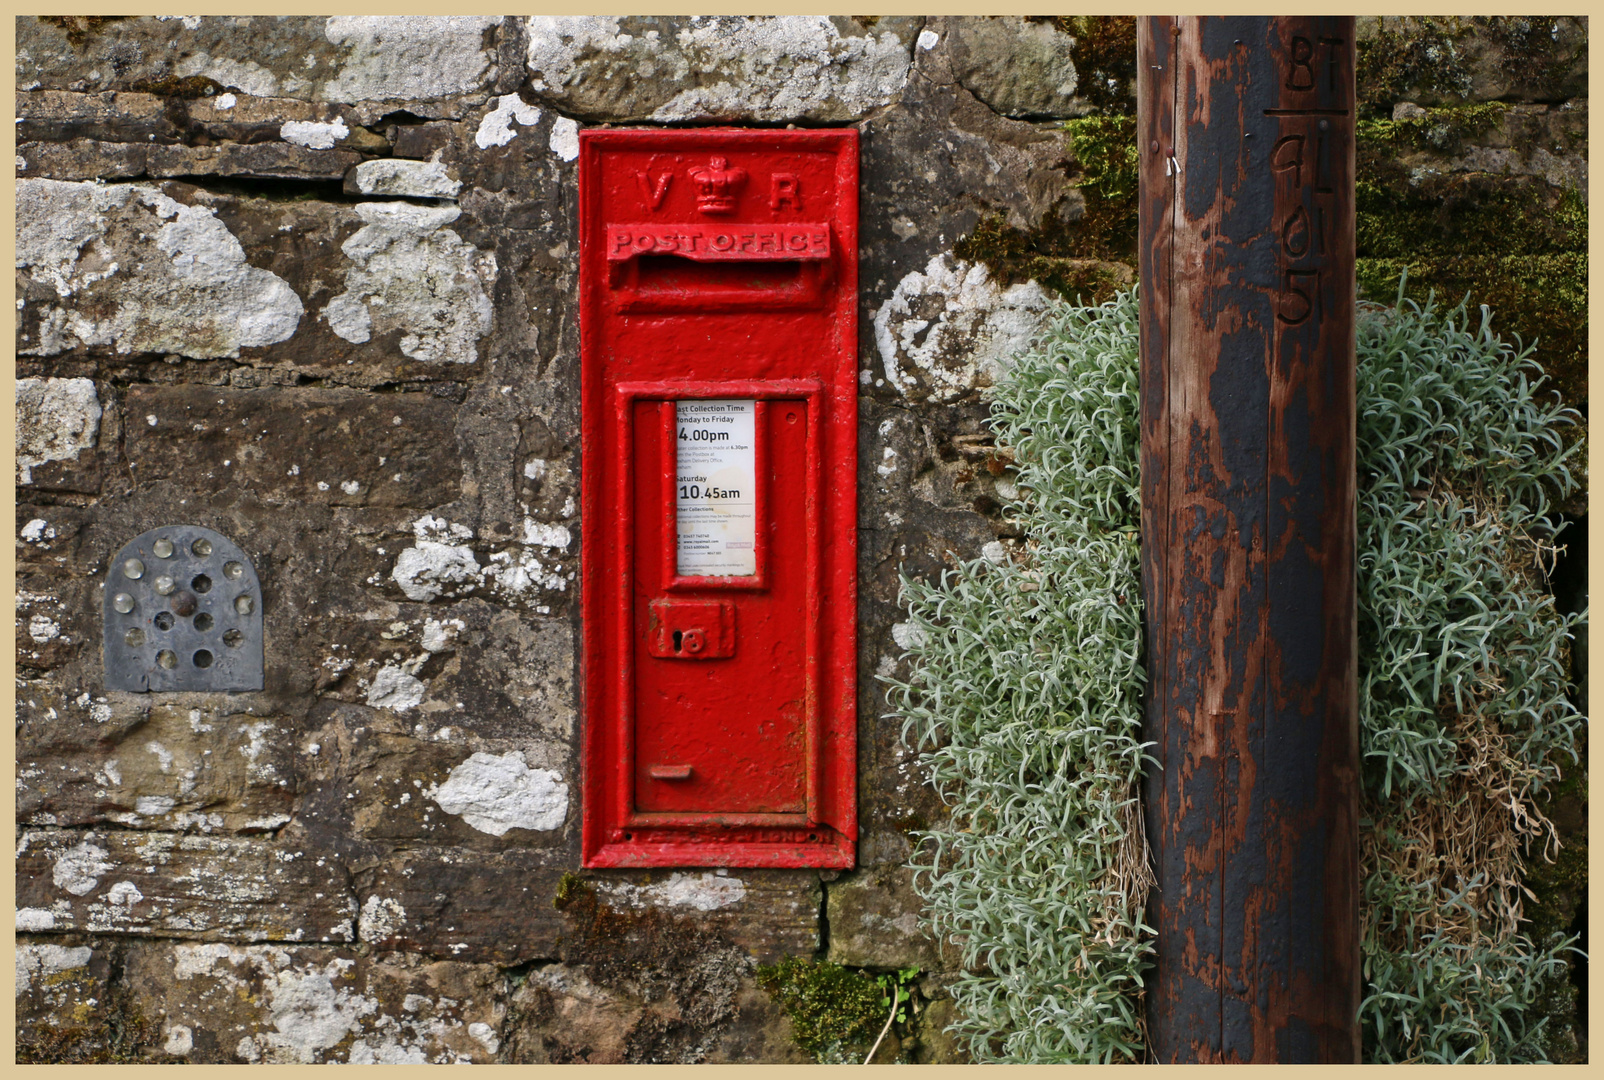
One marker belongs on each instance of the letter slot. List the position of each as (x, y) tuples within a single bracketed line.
[(718, 279)]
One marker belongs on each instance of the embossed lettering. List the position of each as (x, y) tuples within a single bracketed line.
[(784, 192), (653, 190)]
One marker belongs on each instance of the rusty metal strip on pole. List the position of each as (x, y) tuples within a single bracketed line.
[(1247, 268)]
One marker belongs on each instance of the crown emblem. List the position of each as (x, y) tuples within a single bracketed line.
[(717, 186)]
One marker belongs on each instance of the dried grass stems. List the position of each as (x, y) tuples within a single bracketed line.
[(1024, 692), (1464, 680)]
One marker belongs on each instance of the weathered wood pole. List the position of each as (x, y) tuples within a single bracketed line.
[(1245, 130)]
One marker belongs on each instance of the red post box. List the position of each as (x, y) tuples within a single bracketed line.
[(718, 321)]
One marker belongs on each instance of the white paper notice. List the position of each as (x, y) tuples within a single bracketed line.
[(715, 496)]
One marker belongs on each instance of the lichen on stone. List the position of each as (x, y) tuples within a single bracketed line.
[(136, 270), (56, 419), (412, 275)]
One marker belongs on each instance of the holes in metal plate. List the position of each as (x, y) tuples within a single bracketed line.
[(165, 614)]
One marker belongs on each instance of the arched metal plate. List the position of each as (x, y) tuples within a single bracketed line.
[(182, 611)]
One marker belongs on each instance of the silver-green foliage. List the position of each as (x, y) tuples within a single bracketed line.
[(1463, 669), (1460, 454), (1025, 686), (1026, 701)]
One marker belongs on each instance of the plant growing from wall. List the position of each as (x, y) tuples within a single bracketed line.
[(834, 1011), (1024, 699)]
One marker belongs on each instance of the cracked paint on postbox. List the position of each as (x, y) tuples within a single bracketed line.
[(718, 320)]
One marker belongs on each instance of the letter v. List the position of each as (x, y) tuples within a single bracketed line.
[(654, 190)]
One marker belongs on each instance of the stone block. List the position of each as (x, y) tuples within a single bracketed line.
[(60, 983), (1019, 67), (768, 913), (81, 159), (429, 63), (294, 446), (1455, 60), (277, 160), (439, 794), (130, 268), (474, 906), (392, 290), (203, 888), (559, 1017), (464, 674), (727, 68), (935, 1045), (181, 767), (230, 1004), (57, 421), (874, 917), (399, 177), (759, 1033), (55, 621)]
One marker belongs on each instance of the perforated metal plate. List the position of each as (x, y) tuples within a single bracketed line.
[(183, 611)]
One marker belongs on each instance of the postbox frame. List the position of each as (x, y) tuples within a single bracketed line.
[(614, 831)]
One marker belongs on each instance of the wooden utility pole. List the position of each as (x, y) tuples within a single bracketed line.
[(1245, 129)]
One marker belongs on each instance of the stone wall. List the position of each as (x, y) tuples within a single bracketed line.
[(311, 282)]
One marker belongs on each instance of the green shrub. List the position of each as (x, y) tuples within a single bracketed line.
[(1024, 699)]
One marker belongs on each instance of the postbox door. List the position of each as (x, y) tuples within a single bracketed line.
[(723, 661), (718, 318)]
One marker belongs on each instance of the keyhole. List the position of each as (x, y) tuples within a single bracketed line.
[(679, 639)]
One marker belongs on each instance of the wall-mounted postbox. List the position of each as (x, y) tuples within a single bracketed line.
[(718, 286)]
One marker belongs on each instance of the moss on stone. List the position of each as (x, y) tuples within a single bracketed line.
[(1531, 50), (1559, 887), (1405, 56), (569, 889), (1087, 259), (1513, 243), (78, 28), (834, 1011), (195, 86), (1442, 130), (1105, 59), (110, 1036), (1414, 56)]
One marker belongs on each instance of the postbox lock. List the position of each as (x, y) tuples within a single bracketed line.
[(691, 629)]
